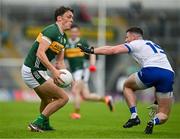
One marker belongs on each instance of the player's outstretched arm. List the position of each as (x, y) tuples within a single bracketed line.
[(105, 50), (110, 50)]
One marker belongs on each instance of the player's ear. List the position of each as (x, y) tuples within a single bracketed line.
[(59, 18)]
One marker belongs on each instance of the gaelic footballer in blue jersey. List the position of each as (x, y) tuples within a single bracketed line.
[(155, 71)]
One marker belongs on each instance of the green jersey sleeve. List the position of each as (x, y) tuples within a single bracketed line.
[(49, 33)]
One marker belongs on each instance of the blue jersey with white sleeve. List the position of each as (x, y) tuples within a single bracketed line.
[(156, 70), (148, 54)]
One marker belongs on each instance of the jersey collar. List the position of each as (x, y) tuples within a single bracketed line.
[(74, 41)]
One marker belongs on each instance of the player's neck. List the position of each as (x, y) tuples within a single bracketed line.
[(60, 28), (138, 38)]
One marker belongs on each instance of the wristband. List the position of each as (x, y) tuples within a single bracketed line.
[(92, 50)]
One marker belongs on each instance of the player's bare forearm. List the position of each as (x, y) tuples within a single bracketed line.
[(44, 60), (60, 61), (105, 50), (92, 59), (110, 50)]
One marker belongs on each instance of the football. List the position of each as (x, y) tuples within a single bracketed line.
[(66, 77)]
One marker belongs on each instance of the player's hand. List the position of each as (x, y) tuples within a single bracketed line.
[(153, 110), (56, 76), (92, 68), (85, 49)]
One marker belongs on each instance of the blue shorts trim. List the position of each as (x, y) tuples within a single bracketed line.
[(161, 79)]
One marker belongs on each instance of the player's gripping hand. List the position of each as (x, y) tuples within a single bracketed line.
[(85, 49), (92, 68), (56, 76)]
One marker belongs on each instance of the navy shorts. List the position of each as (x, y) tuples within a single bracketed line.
[(161, 79)]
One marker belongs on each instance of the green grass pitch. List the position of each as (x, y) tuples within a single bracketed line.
[(96, 122)]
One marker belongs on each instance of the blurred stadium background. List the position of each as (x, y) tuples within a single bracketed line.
[(102, 22)]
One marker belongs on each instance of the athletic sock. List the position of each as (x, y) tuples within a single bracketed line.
[(133, 111), (40, 119), (156, 120), (46, 125), (77, 110), (46, 122)]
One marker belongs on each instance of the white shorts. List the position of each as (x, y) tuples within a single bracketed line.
[(33, 78), (81, 74)]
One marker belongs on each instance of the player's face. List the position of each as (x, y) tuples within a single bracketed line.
[(67, 20), (75, 33), (130, 37)]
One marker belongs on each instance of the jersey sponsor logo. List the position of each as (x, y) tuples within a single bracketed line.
[(56, 47)]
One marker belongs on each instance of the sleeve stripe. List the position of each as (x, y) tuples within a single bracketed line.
[(47, 39), (128, 48)]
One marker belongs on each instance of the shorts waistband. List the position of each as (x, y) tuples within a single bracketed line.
[(26, 68)]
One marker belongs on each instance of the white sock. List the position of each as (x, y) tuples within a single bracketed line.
[(133, 115)]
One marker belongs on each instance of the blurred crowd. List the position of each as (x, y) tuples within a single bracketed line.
[(19, 26)]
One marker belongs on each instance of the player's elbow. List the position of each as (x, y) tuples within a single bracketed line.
[(39, 54)]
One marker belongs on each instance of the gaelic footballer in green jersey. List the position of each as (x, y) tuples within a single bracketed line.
[(49, 44), (80, 71), (75, 57), (57, 40)]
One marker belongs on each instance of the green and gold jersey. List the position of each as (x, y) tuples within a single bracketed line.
[(57, 41), (75, 57)]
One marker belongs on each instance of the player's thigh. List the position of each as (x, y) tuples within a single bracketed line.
[(86, 75), (50, 90), (78, 75), (164, 105), (134, 82), (77, 87)]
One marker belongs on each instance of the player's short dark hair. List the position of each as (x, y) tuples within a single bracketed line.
[(61, 10), (135, 30), (75, 26)]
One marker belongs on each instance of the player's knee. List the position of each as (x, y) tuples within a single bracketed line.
[(63, 99), (85, 97), (127, 84), (162, 117), (126, 87), (47, 101)]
